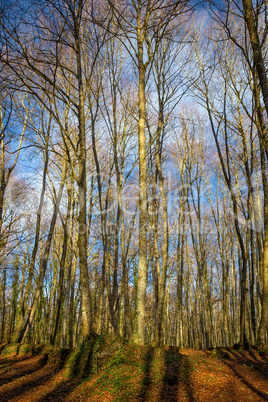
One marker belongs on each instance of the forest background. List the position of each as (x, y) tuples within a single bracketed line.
[(133, 171)]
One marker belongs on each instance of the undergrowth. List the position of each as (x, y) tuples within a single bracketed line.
[(109, 368)]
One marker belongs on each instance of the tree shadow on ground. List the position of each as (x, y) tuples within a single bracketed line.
[(17, 390), (146, 382), (253, 356), (61, 392), (4, 363), (247, 383), (249, 359), (81, 366), (20, 390), (177, 377), (22, 372)]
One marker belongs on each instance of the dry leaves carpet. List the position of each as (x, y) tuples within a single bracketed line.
[(140, 374)]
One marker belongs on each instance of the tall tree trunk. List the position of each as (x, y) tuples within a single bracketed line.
[(3, 323), (44, 262), (159, 175), (23, 308), (263, 327), (82, 182), (139, 330), (257, 57), (61, 277)]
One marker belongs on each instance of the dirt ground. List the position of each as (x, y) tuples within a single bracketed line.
[(241, 376)]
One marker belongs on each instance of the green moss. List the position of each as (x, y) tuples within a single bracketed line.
[(213, 353), (92, 354), (263, 352), (220, 353), (79, 362), (25, 349), (10, 349), (38, 349), (55, 357)]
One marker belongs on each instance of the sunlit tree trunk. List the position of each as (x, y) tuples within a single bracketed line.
[(139, 332), (44, 262), (258, 59), (263, 327)]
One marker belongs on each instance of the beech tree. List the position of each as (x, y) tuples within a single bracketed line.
[(144, 25), (250, 45), (133, 172)]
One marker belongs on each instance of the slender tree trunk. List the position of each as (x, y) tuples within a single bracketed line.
[(61, 278), (3, 323), (71, 310), (19, 327), (163, 276), (44, 262), (139, 328), (180, 274), (82, 183), (257, 57), (263, 327)]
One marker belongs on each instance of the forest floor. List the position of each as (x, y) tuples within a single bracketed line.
[(140, 374)]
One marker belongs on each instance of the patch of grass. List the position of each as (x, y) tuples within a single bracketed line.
[(125, 374), (10, 349), (25, 349), (77, 365), (220, 353), (117, 359), (119, 381), (92, 354)]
